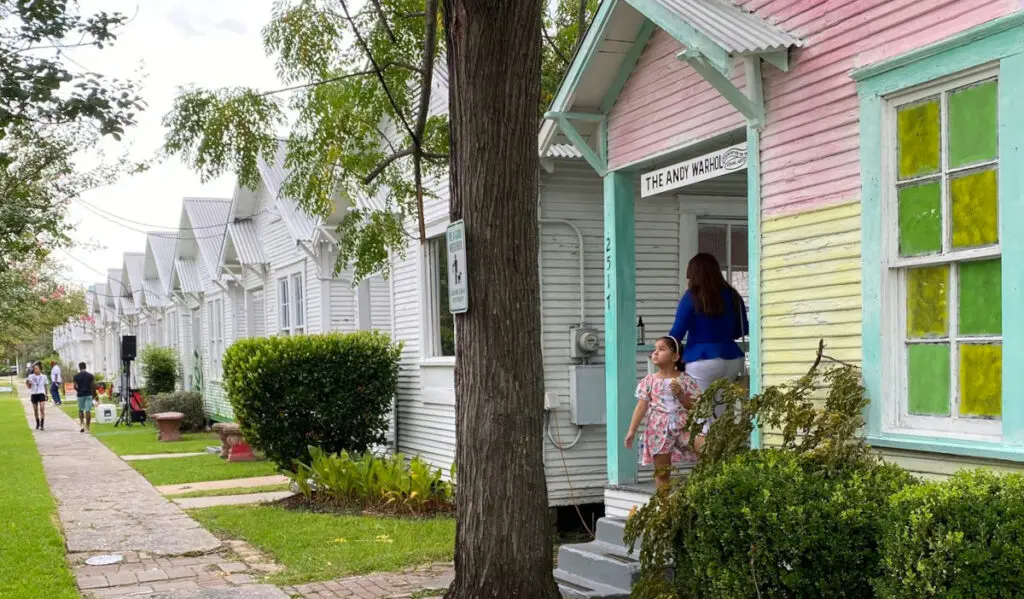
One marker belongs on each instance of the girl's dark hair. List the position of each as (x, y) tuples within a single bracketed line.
[(706, 284), (677, 346)]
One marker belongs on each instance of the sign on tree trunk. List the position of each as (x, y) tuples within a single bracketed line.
[(458, 282)]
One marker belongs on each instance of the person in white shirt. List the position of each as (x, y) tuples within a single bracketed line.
[(36, 383), (56, 382)]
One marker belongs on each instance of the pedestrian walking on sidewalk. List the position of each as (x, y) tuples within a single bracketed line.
[(36, 383), (85, 387), (56, 382)]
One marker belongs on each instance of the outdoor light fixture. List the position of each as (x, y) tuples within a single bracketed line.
[(640, 340)]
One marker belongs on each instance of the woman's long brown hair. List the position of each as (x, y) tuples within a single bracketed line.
[(706, 284)]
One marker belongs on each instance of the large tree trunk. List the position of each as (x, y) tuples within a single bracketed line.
[(503, 539)]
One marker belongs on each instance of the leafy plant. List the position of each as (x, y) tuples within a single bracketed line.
[(188, 403), (332, 391), (799, 520), (958, 539), (159, 369), (366, 481)]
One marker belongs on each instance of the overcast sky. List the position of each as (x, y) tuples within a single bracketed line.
[(209, 43)]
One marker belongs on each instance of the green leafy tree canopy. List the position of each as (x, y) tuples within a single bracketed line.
[(354, 121)]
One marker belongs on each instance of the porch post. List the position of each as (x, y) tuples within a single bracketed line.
[(620, 322)]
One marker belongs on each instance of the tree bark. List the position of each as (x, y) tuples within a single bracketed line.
[(503, 543)]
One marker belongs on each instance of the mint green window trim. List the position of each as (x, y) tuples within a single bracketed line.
[(1000, 42)]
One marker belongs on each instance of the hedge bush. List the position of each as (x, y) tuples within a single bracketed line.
[(159, 369), (188, 403), (958, 539), (332, 391), (772, 524)]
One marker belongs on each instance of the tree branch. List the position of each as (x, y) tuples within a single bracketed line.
[(551, 42), (581, 21), (426, 87), (377, 170), (384, 21), (378, 72)]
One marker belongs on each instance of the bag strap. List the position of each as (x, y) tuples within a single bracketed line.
[(738, 304)]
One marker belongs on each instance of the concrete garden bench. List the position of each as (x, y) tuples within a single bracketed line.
[(169, 424)]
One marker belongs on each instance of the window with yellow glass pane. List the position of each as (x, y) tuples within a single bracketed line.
[(945, 256)]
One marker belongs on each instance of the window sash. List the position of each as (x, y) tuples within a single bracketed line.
[(437, 299), (895, 269), (282, 299), (299, 302)]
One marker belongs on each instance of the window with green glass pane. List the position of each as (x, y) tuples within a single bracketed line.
[(981, 298), (973, 124), (946, 189), (981, 380), (927, 302), (918, 135), (920, 213)]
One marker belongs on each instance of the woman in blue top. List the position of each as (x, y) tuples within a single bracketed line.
[(711, 316)]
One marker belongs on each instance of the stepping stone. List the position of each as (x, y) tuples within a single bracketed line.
[(191, 503), (235, 483), (159, 456)]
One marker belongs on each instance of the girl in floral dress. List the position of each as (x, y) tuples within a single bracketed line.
[(664, 397)]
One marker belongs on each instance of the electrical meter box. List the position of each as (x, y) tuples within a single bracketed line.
[(586, 395), (583, 342)]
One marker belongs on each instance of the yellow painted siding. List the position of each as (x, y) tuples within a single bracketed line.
[(811, 290)]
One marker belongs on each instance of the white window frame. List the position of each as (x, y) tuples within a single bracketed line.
[(728, 223), (896, 413), (432, 251), (283, 307), (215, 313), (296, 283)]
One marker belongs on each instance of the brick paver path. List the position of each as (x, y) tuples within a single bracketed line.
[(106, 507), (396, 585)]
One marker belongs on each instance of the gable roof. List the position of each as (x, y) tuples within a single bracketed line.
[(301, 225), (132, 282), (205, 222), (242, 244), (113, 288), (185, 277), (159, 261), (714, 32)]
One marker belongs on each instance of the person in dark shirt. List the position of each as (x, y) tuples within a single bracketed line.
[(85, 384)]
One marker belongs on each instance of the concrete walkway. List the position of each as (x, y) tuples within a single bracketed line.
[(104, 504), (191, 503), (215, 485)]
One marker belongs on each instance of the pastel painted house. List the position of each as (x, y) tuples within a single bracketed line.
[(571, 296), (876, 210)]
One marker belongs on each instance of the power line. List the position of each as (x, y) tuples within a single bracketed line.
[(152, 225), (179, 236)]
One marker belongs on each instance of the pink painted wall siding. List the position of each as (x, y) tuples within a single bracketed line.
[(666, 104), (809, 146)]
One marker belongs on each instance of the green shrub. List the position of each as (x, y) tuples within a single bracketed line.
[(958, 539), (188, 403), (788, 522), (159, 369), (772, 524), (332, 391), (365, 481)]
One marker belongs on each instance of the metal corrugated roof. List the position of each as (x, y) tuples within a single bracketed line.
[(245, 238), (274, 175), (209, 218), (128, 305), (133, 266), (734, 29), (160, 250), (187, 274), (563, 151), (113, 286)]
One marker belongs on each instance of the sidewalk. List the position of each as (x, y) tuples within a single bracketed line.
[(106, 507)]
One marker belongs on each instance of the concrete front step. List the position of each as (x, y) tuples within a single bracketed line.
[(600, 562), (612, 531), (574, 587)]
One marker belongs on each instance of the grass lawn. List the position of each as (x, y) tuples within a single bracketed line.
[(317, 547), (174, 471), (141, 439), (32, 549), (231, 491)]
